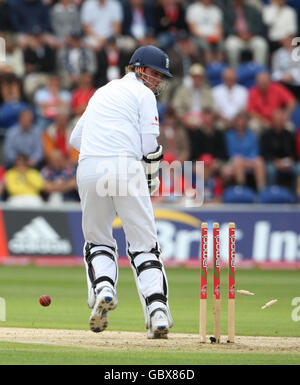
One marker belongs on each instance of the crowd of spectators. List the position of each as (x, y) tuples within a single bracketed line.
[(233, 103)]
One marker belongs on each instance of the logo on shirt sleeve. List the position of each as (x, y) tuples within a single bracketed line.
[(156, 122)]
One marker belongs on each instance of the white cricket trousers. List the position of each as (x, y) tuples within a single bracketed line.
[(94, 175)]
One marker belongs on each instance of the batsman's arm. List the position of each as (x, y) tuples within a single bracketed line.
[(149, 143), (149, 129), (75, 138)]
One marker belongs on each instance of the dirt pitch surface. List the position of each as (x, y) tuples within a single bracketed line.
[(115, 340)]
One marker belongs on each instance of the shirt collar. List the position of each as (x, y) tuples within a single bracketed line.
[(131, 75)]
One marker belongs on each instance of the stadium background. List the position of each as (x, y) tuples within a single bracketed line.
[(58, 53), (53, 64)]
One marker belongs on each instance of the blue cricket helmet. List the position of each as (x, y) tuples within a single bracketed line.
[(153, 57)]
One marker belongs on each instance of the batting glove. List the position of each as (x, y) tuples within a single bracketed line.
[(151, 167)]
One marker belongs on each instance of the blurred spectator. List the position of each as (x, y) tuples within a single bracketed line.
[(5, 16), (248, 69), (173, 137), (285, 69), (57, 137), (39, 55), (190, 100), (216, 66), (82, 94), (73, 59), (264, 98), (170, 19), (212, 182), (39, 60), (14, 61), (2, 182), (111, 62), (194, 134), (298, 144), (230, 98), (50, 100), (244, 28), (256, 3), (30, 17), (23, 184), (281, 20), (223, 4), (278, 148), (205, 20), (207, 139), (12, 103), (148, 39), (138, 19), (101, 19), (60, 178), (23, 138), (243, 150), (183, 54), (293, 3), (65, 19)]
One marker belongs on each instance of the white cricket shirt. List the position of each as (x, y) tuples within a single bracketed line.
[(117, 116)]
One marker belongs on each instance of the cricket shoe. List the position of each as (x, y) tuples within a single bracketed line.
[(106, 300), (159, 325)]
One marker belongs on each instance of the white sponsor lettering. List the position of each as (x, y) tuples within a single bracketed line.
[(283, 244), (183, 243), (260, 242), (268, 245), (38, 237), (178, 243), (275, 246), (2, 50), (166, 234)]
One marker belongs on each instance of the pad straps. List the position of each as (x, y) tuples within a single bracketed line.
[(155, 250), (103, 279), (148, 265), (156, 298), (89, 258)]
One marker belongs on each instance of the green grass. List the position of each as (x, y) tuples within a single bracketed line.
[(46, 355), (22, 286)]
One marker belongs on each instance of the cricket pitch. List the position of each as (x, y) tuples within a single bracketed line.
[(120, 340)]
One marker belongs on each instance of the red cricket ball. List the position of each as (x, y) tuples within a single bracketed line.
[(45, 300)]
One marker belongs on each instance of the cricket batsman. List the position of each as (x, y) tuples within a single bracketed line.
[(121, 123)]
